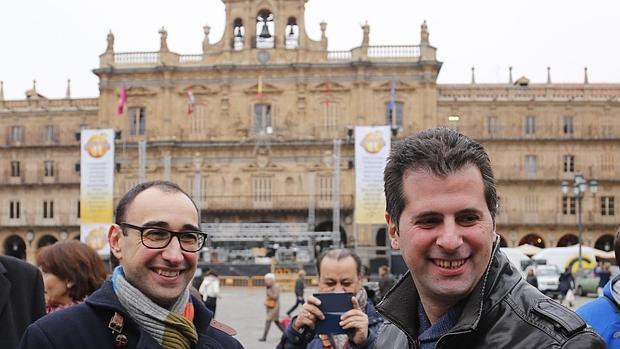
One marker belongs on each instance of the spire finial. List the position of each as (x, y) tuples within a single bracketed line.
[(585, 75), (1, 90), (510, 75), (473, 75), (424, 34), (548, 75), (366, 37), (34, 86), (68, 94)]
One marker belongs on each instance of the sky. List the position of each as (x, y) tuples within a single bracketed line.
[(55, 40)]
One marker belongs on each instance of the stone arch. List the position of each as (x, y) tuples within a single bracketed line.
[(328, 226), (289, 186), (291, 33), (568, 240), (265, 29), (605, 242), (381, 239), (533, 239), (46, 240), (239, 32), (15, 246)]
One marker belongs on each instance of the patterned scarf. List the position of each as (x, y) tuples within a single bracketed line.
[(170, 328)]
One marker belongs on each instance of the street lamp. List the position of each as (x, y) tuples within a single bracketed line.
[(580, 187)]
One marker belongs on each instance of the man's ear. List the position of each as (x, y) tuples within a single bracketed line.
[(392, 229), (114, 239)]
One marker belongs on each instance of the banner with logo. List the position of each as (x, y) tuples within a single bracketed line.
[(96, 187), (372, 147)]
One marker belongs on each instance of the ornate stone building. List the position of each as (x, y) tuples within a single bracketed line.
[(249, 128)]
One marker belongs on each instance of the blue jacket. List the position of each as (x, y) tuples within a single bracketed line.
[(86, 326), (290, 338), (603, 314)]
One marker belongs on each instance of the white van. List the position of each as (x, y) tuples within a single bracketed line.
[(517, 258), (563, 257)]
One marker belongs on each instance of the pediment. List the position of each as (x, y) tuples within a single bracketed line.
[(398, 86), (267, 89), (329, 86), (198, 90), (140, 91)]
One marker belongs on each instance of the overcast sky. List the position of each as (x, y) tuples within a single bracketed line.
[(51, 41)]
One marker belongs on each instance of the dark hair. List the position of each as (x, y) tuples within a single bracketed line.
[(441, 152), (76, 262), (127, 199), (617, 246), (339, 254)]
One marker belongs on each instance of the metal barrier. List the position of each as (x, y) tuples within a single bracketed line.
[(285, 281)]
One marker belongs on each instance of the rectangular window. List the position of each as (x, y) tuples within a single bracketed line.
[(569, 205), (325, 188), (262, 189), (608, 207), (263, 119), (530, 125), (16, 134), (14, 209), (567, 125), (48, 168), (48, 209), (569, 163), (530, 165), (49, 134), (492, 125), (394, 118), (199, 119), (137, 121), (330, 112), (15, 169)]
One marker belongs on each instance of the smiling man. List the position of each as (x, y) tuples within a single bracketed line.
[(146, 302), (460, 291)]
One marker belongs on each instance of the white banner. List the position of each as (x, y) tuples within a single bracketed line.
[(372, 147), (96, 187)]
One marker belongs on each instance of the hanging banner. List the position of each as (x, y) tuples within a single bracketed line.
[(372, 147), (96, 187)]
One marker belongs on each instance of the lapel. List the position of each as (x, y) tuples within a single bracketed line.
[(5, 288)]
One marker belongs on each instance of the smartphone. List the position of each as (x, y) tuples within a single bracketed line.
[(333, 305)]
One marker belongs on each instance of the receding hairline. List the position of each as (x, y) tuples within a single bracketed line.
[(163, 189)]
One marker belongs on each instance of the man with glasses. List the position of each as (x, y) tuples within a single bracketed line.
[(146, 302)]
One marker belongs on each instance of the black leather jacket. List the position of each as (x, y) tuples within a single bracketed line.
[(503, 311)]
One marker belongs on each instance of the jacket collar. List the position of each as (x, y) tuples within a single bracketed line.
[(401, 303)]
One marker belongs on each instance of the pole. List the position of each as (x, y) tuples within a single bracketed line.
[(580, 223), (336, 194)]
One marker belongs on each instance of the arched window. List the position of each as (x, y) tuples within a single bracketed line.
[(291, 34), (238, 34), (605, 243), (265, 25), (15, 246), (533, 239), (568, 240)]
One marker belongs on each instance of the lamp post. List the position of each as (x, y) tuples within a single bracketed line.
[(580, 187)]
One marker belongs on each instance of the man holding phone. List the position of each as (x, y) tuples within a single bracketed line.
[(339, 270)]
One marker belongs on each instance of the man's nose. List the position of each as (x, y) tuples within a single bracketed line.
[(173, 251), (449, 238)]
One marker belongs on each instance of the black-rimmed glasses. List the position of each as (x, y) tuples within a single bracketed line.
[(158, 238)]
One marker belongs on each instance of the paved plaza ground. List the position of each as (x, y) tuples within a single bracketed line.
[(242, 308)]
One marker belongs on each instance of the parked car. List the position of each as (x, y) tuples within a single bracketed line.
[(548, 279), (585, 282)]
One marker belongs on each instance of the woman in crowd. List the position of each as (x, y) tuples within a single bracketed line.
[(210, 290), (71, 271), (272, 304)]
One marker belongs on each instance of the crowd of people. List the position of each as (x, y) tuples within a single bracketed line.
[(460, 290)]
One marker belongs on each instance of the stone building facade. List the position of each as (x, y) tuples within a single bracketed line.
[(248, 128)]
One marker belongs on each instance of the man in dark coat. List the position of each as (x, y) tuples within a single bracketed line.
[(460, 291), (21, 299), (146, 303)]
